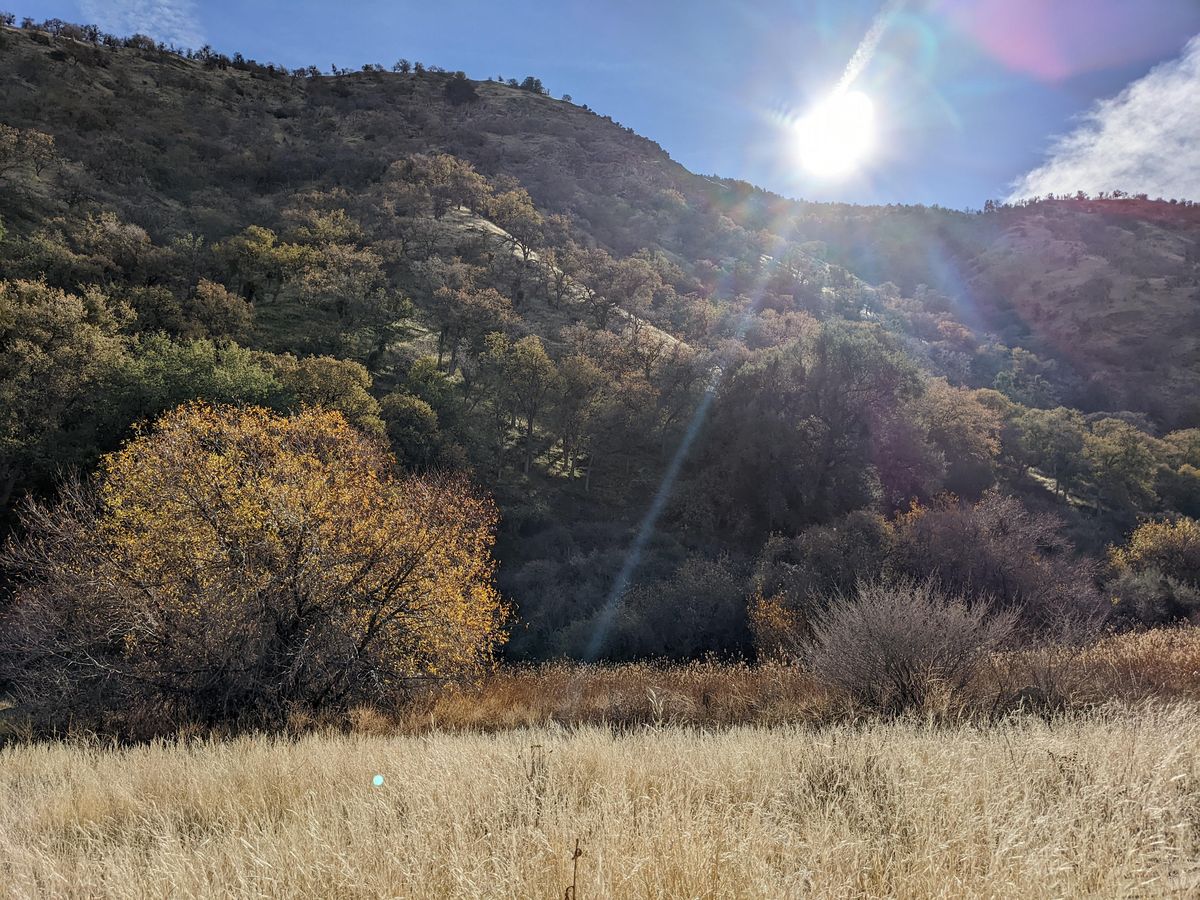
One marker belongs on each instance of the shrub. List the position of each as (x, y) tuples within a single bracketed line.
[(339, 385), (1001, 550), (1156, 574), (234, 563), (822, 561), (699, 609), (1152, 597), (459, 90), (891, 643), (778, 630), (220, 312)]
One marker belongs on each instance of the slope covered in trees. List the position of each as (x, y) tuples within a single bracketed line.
[(702, 408)]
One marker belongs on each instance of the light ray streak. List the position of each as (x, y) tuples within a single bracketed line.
[(612, 603)]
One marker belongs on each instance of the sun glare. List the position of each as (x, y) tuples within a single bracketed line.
[(836, 135)]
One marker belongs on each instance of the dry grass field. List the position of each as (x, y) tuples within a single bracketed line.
[(1104, 803), (693, 781)]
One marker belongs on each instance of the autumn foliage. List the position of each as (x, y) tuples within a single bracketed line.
[(235, 563), (1172, 547)]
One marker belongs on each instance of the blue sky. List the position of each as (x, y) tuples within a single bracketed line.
[(973, 98)]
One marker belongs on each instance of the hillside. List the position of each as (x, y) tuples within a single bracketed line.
[(514, 285), (1105, 288)]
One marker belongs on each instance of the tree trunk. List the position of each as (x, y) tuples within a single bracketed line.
[(528, 443)]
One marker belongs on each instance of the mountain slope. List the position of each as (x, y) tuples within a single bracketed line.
[(1107, 289)]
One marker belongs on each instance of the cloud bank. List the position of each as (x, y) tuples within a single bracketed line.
[(170, 21), (1145, 140)]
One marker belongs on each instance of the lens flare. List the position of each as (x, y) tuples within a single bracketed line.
[(837, 135)]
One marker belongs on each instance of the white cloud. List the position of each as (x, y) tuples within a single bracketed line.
[(1145, 140), (171, 21)]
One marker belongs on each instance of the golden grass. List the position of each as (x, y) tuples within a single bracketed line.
[(1166, 660), (707, 693), (703, 780), (1105, 803), (1162, 664)]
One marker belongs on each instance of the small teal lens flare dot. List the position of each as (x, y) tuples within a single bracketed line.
[(377, 781)]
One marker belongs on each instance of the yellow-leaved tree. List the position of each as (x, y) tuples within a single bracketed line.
[(234, 563), (1156, 573), (1171, 547)]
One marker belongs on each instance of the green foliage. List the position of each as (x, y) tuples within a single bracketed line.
[(944, 439), (1150, 598), (523, 380), (218, 311), (260, 264), (57, 354), (1122, 462), (696, 611), (467, 316), (72, 383), (795, 432), (459, 90), (325, 382), (965, 432), (1171, 547), (1179, 489), (158, 374), (412, 430), (1025, 380), (1178, 482), (823, 560), (577, 413), (1052, 440)]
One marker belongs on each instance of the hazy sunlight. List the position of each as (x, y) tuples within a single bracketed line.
[(837, 135)]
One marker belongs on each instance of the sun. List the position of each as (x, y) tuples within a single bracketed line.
[(837, 135)]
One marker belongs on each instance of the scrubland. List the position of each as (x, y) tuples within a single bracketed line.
[(700, 781)]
